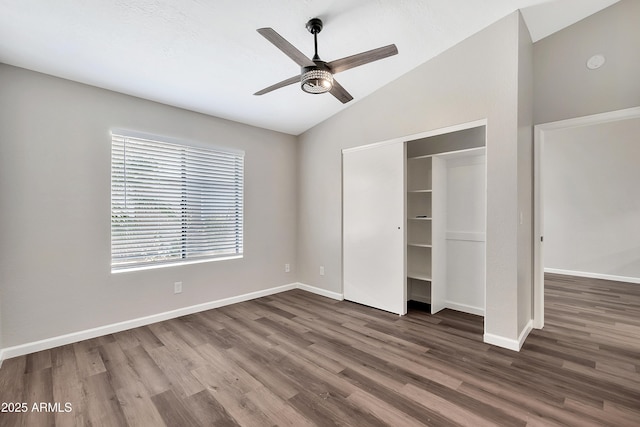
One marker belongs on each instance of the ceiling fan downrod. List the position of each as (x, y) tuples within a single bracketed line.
[(314, 26), (316, 78)]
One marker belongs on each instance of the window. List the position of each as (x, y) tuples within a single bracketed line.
[(173, 203)]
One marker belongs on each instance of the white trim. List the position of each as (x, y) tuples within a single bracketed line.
[(538, 229), (433, 132), (508, 343), (609, 116), (48, 343), (540, 131), (375, 144), (479, 311), (525, 333), (173, 264), (320, 291), (592, 275)]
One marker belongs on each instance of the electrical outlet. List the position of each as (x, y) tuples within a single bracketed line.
[(287, 268), (177, 287), (322, 270)]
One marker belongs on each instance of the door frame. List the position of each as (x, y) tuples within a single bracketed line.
[(541, 132)]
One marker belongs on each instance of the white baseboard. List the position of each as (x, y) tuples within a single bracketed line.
[(48, 343), (464, 308), (32, 347), (525, 333), (320, 291), (593, 275), (509, 343), (500, 341)]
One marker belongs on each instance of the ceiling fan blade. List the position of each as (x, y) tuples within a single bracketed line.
[(340, 93), (356, 60), (287, 82), (290, 50)]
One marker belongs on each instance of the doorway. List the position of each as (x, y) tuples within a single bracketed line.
[(545, 134)]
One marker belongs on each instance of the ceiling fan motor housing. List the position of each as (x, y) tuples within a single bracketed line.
[(316, 78)]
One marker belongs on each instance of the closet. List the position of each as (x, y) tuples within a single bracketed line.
[(446, 230), (414, 218)]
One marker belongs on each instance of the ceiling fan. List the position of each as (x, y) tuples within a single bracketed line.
[(316, 75)]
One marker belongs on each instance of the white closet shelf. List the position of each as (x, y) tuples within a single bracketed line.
[(420, 245), (419, 276)]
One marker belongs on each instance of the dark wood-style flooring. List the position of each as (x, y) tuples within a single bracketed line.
[(298, 359)]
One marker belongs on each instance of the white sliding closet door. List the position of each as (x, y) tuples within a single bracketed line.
[(373, 227)]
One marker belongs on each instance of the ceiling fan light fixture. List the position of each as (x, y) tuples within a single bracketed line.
[(315, 80)]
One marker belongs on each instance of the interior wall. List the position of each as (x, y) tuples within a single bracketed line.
[(55, 207), (1, 341), (525, 178), (591, 200), (476, 79), (565, 88)]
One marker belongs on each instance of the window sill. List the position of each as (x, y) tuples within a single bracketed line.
[(173, 264)]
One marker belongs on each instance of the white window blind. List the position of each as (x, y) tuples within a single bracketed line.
[(173, 203)]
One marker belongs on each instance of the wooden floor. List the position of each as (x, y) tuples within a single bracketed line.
[(298, 359)]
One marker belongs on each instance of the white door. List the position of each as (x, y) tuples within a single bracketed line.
[(373, 227)]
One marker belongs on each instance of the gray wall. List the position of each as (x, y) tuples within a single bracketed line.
[(1, 340), (525, 177), (565, 88), (476, 79), (55, 208), (591, 199)]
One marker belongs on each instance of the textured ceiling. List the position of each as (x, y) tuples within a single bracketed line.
[(206, 56)]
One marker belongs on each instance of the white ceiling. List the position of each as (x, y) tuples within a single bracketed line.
[(206, 56)]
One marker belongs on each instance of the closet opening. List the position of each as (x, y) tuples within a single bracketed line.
[(445, 207)]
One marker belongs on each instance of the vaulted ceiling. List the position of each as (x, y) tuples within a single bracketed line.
[(206, 56)]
